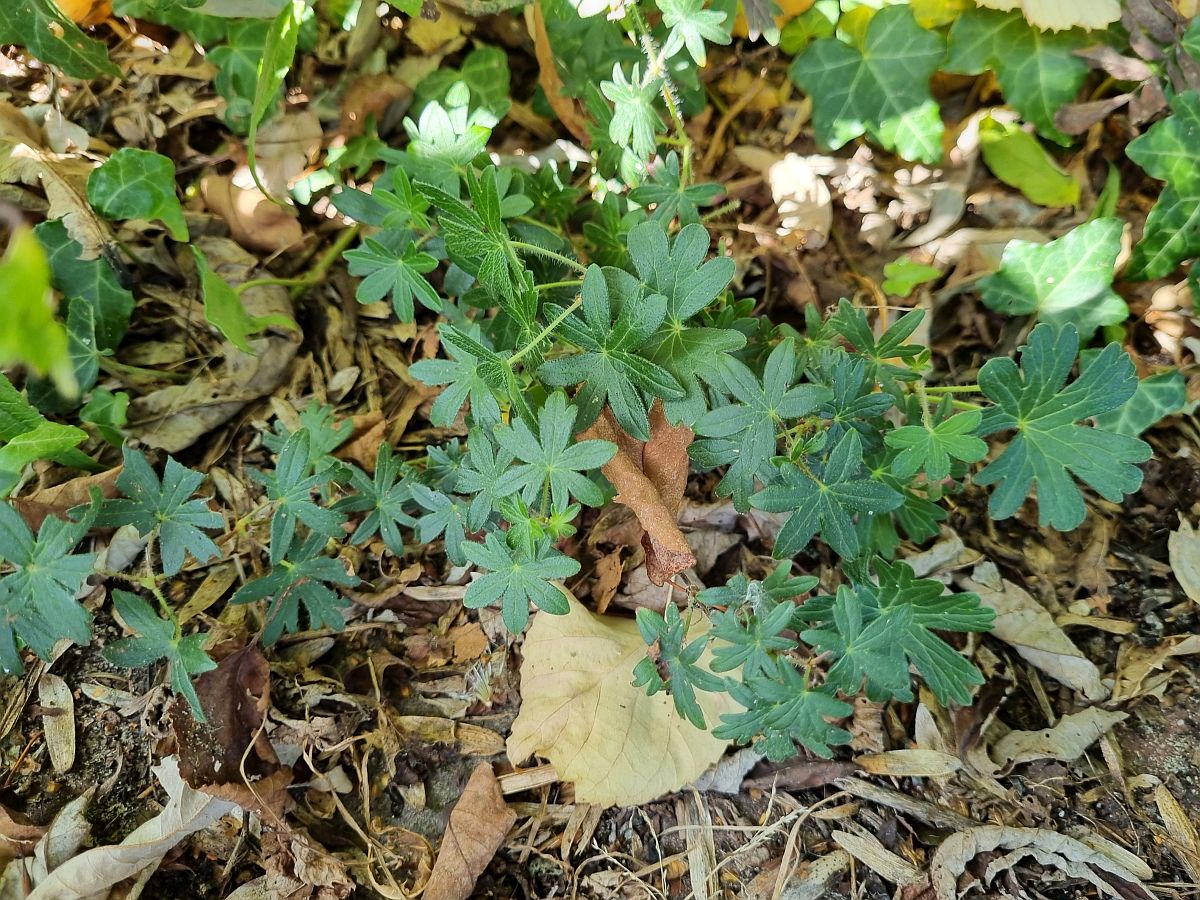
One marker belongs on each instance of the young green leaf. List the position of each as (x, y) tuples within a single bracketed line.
[(903, 276), (37, 599), (1049, 447), (551, 463), (464, 374), (445, 517), (635, 121), (782, 707), (163, 508), (301, 577), (673, 654), (279, 50), (673, 197), (480, 476), (224, 310), (929, 447), (691, 25), (882, 90), (157, 639), (824, 498), (754, 421), (1065, 282), (138, 184), (610, 365), (750, 640), (290, 488), (382, 498), (515, 579), (398, 274), (1016, 158), (1037, 70), (30, 335), (1167, 151)]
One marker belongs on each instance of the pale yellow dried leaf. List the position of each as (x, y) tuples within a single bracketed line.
[(1065, 742), (1059, 15), (1183, 838), (64, 180), (580, 710), (915, 763), (58, 721), (1183, 547), (1135, 662), (868, 850)]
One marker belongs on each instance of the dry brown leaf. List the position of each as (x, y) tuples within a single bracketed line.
[(1073, 857), (1184, 548), (1135, 662), (381, 96), (909, 763), (24, 159), (564, 107), (650, 479), (478, 824), (868, 850), (368, 431), (55, 501), (608, 579), (255, 221), (1025, 625), (230, 755), (580, 710), (1065, 742), (58, 721), (284, 147)]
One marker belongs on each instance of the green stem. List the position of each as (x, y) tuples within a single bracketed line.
[(954, 389), (549, 254), (926, 418), (961, 404), (547, 331), (727, 207), (314, 276), (552, 285)]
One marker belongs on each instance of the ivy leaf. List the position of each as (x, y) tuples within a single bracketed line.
[(673, 196), (301, 577), (875, 631), (463, 374), (1157, 396), (610, 365), (401, 275), (635, 121), (691, 25), (882, 91), (1167, 151), (824, 499), (159, 639), (138, 184), (1065, 282), (92, 280), (445, 517), (929, 447), (1049, 447), (52, 37), (29, 332), (514, 580), (237, 61), (163, 508), (551, 463), (289, 488), (782, 708), (1037, 70), (753, 423), (382, 497), (37, 600)]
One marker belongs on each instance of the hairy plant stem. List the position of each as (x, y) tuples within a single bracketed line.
[(547, 331), (548, 254)]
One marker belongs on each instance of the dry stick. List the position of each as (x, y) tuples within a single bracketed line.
[(732, 113), (927, 812)]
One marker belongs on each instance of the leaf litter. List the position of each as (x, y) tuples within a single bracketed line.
[(357, 765)]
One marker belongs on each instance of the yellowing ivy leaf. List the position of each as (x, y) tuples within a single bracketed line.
[(1059, 15), (580, 710)]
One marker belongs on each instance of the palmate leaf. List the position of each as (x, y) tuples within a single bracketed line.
[(1167, 151), (163, 508), (551, 463), (37, 599), (382, 498), (515, 579), (301, 577), (400, 274), (672, 196), (875, 631), (1049, 447), (290, 488), (1037, 70), (667, 635), (635, 121), (480, 477), (1065, 282), (52, 37), (444, 517), (929, 447), (824, 499), (465, 375), (618, 320), (157, 639), (882, 91), (691, 25), (753, 421)]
